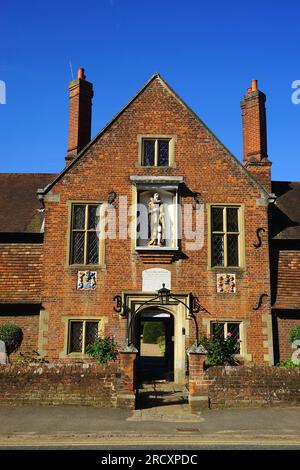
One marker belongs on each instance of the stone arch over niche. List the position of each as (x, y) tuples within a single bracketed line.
[(169, 201)]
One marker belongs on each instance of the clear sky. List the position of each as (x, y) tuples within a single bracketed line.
[(208, 51)]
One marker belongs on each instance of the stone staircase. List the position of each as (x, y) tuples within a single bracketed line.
[(161, 393), (163, 401)]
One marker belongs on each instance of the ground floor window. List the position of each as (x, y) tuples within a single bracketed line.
[(81, 334), (223, 329)]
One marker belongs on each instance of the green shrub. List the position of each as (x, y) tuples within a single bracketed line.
[(288, 363), (161, 341), (294, 334), (12, 336), (152, 331), (103, 349), (220, 350)]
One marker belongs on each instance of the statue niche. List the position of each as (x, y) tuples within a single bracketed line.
[(156, 217)]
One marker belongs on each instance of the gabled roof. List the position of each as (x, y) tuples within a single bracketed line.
[(19, 206), (285, 213), (105, 128)]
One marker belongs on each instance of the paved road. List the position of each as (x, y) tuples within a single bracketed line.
[(172, 426)]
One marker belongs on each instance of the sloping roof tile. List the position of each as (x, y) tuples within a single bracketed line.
[(285, 213), (18, 201)]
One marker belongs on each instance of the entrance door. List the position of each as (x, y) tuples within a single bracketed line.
[(155, 343)]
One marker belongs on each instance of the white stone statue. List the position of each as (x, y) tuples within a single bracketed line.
[(156, 221)]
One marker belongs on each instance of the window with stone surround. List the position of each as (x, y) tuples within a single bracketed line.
[(226, 240), (225, 329), (82, 333), (156, 150), (84, 243)]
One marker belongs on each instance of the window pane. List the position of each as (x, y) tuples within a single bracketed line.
[(232, 219), (163, 153), (232, 250), (218, 250), (234, 329), (149, 151), (92, 222), (78, 248), (217, 219), (93, 248), (76, 336), (91, 332), (218, 330), (78, 217)]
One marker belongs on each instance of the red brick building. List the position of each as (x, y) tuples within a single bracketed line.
[(181, 210)]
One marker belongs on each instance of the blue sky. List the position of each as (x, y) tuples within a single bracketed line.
[(207, 51)]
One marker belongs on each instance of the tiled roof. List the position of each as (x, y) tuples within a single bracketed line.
[(21, 272), (18, 202), (287, 293), (285, 213)]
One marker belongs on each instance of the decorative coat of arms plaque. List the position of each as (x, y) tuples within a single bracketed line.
[(226, 283), (87, 280)]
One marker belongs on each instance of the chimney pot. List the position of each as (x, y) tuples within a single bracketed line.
[(80, 73), (254, 85)]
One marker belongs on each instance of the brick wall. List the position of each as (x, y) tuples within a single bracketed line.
[(253, 386), (57, 384), (86, 383)]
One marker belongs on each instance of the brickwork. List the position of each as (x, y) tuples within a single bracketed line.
[(198, 382), (57, 384), (206, 167), (80, 115), (255, 136), (253, 386)]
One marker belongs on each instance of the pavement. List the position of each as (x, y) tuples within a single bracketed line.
[(163, 418)]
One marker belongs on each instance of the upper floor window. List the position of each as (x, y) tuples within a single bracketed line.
[(226, 246), (84, 238), (156, 152)]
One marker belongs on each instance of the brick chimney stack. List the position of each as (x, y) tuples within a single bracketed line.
[(255, 135), (80, 115)]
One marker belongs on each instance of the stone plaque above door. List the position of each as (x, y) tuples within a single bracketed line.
[(154, 278)]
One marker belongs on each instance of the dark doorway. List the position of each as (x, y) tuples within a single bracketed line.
[(155, 343)]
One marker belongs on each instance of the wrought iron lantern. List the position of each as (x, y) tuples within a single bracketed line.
[(164, 295)]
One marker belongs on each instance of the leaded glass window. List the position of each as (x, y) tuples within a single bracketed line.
[(224, 330), (84, 237), (156, 152), (81, 334), (225, 236)]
